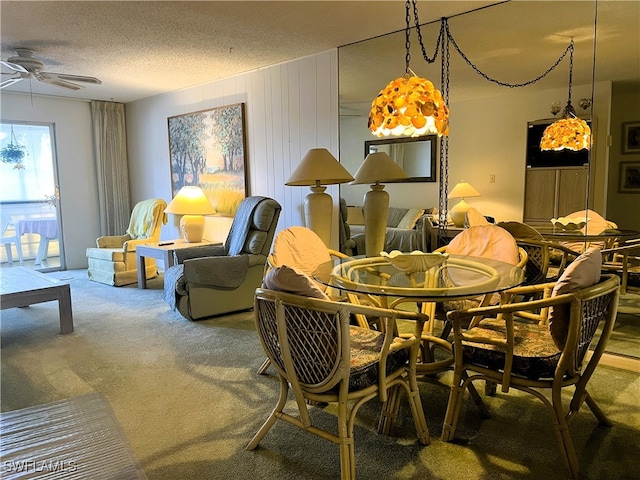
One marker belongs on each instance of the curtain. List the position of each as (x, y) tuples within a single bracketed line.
[(110, 153), (397, 153)]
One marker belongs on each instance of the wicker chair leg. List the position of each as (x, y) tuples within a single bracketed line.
[(418, 417), (264, 366), (599, 414), (390, 410), (347, 448), (266, 426), (453, 411)]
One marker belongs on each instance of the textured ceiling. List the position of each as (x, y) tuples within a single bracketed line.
[(145, 48)]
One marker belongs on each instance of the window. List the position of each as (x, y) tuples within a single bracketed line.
[(33, 179)]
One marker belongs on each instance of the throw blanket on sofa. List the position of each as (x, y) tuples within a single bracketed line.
[(245, 211)]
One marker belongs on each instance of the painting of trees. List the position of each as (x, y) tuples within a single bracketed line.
[(207, 149)]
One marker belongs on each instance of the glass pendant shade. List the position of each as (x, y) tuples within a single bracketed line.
[(409, 106), (571, 133)]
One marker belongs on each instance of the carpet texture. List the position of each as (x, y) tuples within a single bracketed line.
[(187, 398)]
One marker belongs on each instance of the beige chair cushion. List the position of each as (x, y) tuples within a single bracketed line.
[(474, 218), (583, 272), (290, 280), (299, 247), (487, 241)]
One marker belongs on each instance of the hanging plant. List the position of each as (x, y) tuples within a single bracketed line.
[(13, 152)]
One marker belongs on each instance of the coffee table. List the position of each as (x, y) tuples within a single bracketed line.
[(22, 286)]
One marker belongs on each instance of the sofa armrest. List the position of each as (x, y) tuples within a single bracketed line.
[(182, 254), (112, 241), (221, 271)]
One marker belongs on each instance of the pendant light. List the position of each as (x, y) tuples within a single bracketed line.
[(569, 132), (409, 105)]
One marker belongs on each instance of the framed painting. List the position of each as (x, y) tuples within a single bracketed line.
[(629, 177), (631, 137), (208, 149)]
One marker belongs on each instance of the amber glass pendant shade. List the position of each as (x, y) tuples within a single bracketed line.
[(409, 106)]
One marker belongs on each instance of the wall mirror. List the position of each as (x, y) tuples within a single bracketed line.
[(416, 156), (513, 42)]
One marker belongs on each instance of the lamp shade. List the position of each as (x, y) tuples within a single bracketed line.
[(463, 189), (192, 204), (571, 133), (458, 212), (409, 106), (378, 167), (190, 200), (318, 167)]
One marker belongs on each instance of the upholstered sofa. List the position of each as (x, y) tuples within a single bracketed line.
[(408, 229)]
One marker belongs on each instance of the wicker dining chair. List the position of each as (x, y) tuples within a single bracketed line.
[(534, 357), (321, 358), (624, 261), (546, 260), (302, 249)]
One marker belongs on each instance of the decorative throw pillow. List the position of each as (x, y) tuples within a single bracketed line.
[(394, 215), (583, 272), (411, 218), (290, 280)]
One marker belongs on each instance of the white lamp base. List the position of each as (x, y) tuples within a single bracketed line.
[(318, 210), (192, 228), (375, 210), (459, 213)]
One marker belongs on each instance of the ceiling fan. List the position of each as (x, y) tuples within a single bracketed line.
[(24, 65)]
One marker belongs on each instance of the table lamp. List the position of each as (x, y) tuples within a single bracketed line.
[(377, 167), (192, 204), (459, 211), (319, 168)]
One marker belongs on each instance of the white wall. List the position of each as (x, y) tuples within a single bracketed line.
[(78, 206), (487, 137), (624, 207), (290, 108)]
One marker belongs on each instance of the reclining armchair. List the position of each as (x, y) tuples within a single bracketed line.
[(113, 260), (212, 280)]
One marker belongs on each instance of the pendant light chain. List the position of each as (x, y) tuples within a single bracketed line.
[(407, 41), (444, 140)]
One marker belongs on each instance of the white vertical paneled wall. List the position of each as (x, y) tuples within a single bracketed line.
[(290, 108)]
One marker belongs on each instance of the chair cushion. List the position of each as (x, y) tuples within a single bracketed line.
[(291, 280), (299, 247), (583, 272), (410, 218), (474, 217), (535, 354), (488, 241), (365, 355)]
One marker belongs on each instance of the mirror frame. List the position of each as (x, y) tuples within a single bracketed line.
[(390, 141)]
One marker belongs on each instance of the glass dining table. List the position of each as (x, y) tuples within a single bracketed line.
[(445, 277), (423, 280)]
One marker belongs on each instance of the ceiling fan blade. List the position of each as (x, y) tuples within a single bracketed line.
[(45, 78), (73, 78), (14, 66), (9, 81)]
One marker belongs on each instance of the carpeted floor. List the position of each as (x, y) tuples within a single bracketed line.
[(188, 400)]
